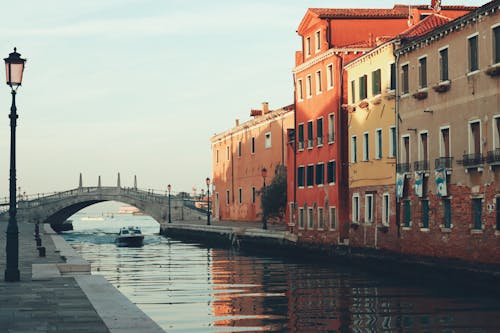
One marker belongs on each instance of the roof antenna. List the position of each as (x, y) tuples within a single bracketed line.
[(410, 23)]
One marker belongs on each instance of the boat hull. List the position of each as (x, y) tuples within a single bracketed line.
[(130, 241)]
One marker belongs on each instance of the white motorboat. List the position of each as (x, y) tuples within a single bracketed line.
[(130, 236)]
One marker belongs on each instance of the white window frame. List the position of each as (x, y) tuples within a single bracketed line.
[(392, 141), (321, 218), (386, 209), (329, 77), (254, 194), (240, 195), (366, 146), (301, 217), (470, 136), (378, 143), (420, 87), (495, 133), (369, 210), (217, 156), (307, 46), (239, 148), (300, 90), (354, 149), (331, 128), (493, 45), (401, 78), (389, 80), (252, 145), (309, 86), (319, 139), (318, 80), (227, 153), (317, 37), (267, 140), (228, 194), (310, 218), (402, 151), (469, 72), (355, 208), (420, 150), (332, 218), (441, 140), (446, 47)]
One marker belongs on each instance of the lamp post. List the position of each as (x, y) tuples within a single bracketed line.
[(264, 175), (169, 187), (208, 200), (14, 66)]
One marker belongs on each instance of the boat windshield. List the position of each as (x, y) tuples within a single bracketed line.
[(125, 232), (137, 231)]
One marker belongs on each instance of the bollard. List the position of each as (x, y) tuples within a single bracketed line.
[(41, 251), (38, 241)]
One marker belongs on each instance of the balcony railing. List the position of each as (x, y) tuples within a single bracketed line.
[(443, 162), (493, 157), (421, 165), (473, 160), (403, 167)]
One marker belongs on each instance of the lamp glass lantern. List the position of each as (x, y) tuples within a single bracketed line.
[(14, 68)]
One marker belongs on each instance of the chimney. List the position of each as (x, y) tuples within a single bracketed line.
[(236, 123), (265, 108), (436, 5)]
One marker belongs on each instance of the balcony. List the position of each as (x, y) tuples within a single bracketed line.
[(473, 161), (403, 167), (421, 166), (493, 157), (443, 162)]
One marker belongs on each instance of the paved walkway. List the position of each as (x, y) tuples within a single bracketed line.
[(274, 226), (45, 301)]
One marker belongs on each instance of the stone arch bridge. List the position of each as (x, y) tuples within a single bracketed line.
[(58, 207)]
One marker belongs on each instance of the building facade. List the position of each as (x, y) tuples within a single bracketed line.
[(238, 157), (449, 139)]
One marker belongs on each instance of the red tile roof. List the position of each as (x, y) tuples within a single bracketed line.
[(428, 24)]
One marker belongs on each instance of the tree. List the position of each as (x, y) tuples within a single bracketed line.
[(273, 196)]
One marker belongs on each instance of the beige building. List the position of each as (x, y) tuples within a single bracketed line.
[(449, 139)]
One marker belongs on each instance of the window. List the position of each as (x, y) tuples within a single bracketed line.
[(252, 145), (310, 134), (496, 44), (254, 194), (423, 153), (319, 131), (301, 218), (268, 140), (376, 82), (308, 46), (407, 212), (422, 72), (366, 147), (301, 136), (378, 143), (447, 212), (477, 212), (443, 64), (329, 76), (321, 218), (472, 43), (406, 149), (310, 218), (392, 141), (300, 90), (331, 128), (444, 147), (310, 175), (308, 86), (362, 87), (369, 208), (497, 205), (392, 84), (227, 197), (425, 214), (217, 155), (239, 148), (355, 208), (318, 83), (333, 218), (496, 132), (386, 209), (405, 88), (353, 91), (475, 137), (318, 41), (320, 174), (331, 172), (227, 153), (354, 149), (240, 195), (300, 176)]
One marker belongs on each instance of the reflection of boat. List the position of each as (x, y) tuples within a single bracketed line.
[(131, 236), (89, 218)]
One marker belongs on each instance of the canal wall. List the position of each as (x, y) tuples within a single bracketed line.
[(469, 277)]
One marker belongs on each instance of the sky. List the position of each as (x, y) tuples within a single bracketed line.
[(140, 86)]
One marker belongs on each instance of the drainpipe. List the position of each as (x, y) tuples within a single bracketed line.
[(343, 176), (292, 214), (396, 109), (328, 33)]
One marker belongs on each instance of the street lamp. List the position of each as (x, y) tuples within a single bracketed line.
[(14, 67), (169, 187), (208, 200), (264, 175)]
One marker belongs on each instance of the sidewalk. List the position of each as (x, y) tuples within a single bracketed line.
[(273, 226), (46, 301)]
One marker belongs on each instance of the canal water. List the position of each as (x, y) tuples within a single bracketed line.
[(186, 287)]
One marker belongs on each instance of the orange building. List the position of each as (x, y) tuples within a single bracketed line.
[(318, 161), (238, 157)]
